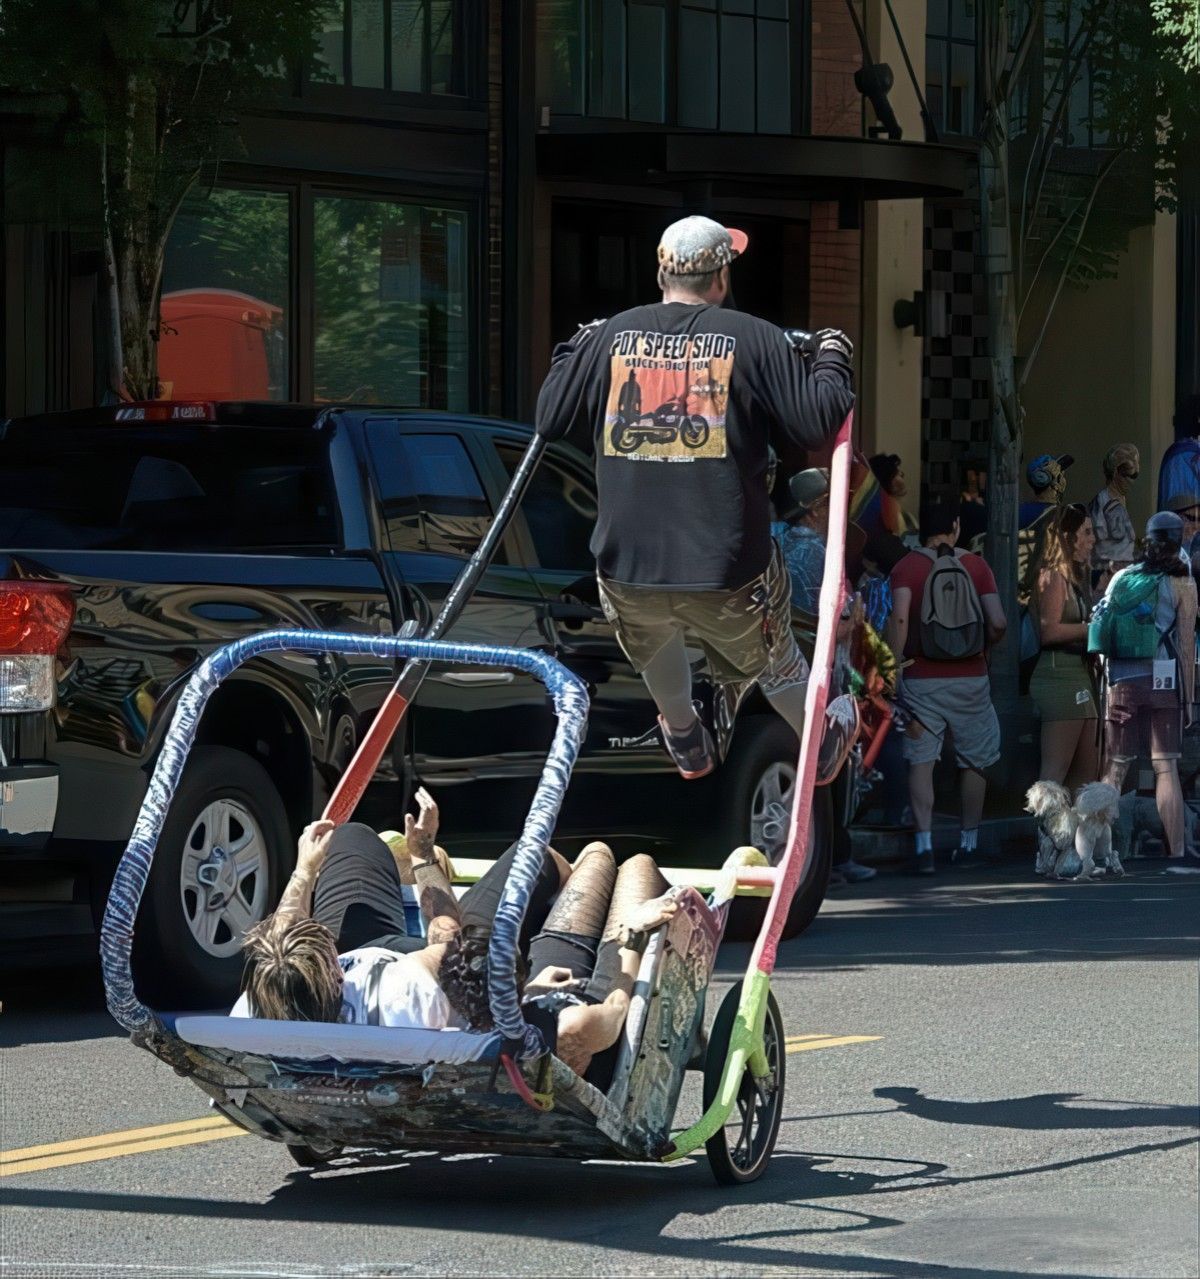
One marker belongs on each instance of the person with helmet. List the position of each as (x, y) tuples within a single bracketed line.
[(682, 540), (1046, 476), (1115, 536), (1145, 630)]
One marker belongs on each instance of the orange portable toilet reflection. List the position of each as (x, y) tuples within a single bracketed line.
[(219, 344)]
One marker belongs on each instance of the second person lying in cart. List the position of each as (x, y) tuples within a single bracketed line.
[(343, 952)]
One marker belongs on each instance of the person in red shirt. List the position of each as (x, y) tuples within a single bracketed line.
[(943, 695)]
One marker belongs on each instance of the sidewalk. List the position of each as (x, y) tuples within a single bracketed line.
[(1010, 836)]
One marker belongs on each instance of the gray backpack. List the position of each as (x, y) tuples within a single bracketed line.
[(950, 625)]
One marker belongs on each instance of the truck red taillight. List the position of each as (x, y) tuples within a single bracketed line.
[(35, 620)]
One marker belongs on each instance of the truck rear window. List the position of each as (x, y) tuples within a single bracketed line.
[(164, 488)]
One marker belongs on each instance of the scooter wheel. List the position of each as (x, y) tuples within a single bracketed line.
[(740, 1151)]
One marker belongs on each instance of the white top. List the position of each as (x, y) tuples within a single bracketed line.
[(403, 990)]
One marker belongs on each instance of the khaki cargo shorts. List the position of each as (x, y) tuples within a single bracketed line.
[(961, 704), (744, 633)]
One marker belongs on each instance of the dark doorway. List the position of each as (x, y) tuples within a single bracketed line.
[(603, 260)]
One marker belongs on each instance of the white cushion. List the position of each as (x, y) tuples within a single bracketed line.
[(316, 1040)]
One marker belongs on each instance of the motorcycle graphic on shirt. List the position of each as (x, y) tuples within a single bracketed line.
[(668, 422), (685, 377)]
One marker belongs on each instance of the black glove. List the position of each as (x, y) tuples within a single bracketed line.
[(833, 340)]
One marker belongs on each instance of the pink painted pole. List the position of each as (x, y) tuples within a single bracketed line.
[(833, 589)]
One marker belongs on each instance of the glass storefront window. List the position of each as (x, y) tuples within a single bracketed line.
[(225, 320), (390, 294)]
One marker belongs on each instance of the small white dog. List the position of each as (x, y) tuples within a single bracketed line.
[(1071, 837), (1050, 803)]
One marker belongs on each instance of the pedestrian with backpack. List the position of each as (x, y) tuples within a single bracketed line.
[(1145, 631), (945, 615)]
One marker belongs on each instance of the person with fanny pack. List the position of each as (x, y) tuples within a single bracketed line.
[(945, 615), (1145, 630)]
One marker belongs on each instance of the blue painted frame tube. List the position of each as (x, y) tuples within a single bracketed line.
[(571, 707)]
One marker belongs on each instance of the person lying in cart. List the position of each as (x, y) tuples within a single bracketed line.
[(344, 953), (682, 540)]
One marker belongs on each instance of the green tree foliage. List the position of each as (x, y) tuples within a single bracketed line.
[(153, 90), (1089, 123)]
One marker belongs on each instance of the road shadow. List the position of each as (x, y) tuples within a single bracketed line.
[(61, 1005), (627, 1208), (1042, 1112), (999, 915)]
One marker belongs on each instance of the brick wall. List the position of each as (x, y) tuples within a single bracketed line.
[(834, 273), (836, 56)]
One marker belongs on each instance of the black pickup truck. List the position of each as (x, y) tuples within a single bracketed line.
[(134, 540)]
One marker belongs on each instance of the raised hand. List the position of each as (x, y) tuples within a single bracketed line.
[(420, 832), (313, 846)]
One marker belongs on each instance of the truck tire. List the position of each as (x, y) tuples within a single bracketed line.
[(199, 901), (760, 772)]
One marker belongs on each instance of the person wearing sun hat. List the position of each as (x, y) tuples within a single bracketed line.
[(682, 539), (1116, 540)]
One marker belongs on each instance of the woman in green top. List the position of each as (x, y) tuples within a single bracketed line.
[(1061, 685)]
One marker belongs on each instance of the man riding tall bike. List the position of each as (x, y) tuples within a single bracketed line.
[(684, 551)]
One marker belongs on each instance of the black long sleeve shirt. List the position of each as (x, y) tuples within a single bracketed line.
[(683, 401)]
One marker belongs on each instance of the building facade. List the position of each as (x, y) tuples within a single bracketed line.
[(462, 182)]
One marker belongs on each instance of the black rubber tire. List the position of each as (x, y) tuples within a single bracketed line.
[(728, 1167), (171, 970), (314, 1157), (694, 431), (760, 742), (624, 439)]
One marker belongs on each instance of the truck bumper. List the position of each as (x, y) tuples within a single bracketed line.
[(28, 805)]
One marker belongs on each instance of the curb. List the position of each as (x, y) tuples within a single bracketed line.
[(884, 847)]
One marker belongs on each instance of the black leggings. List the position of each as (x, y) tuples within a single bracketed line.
[(358, 895)]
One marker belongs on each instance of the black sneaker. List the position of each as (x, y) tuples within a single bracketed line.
[(923, 864), (693, 752)]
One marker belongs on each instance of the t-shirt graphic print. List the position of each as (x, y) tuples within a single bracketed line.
[(667, 396)]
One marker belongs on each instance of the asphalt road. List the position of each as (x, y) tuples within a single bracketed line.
[(1000, 1079)]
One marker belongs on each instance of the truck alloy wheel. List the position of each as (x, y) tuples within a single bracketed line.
[(221, 862), (223, 876)]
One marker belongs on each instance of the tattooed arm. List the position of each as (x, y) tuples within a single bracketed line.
[(296, 902), (439, 905)]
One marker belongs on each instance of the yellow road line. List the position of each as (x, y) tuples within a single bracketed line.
[(804, 1043), (194, 1132), (113, 1145)]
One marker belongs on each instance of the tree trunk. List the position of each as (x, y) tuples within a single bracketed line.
[(1004, 459), (136, 237)]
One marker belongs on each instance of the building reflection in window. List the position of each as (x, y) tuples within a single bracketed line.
[(703, 64), (389, 284), (225, 320), (950, 56), (405, 46)]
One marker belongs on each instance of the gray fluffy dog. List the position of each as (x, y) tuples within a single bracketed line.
[(1072, 838)]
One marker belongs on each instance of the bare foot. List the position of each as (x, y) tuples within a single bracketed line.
[(650, 915), (442, 928)]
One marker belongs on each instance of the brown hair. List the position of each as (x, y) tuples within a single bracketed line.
[(463, 976), (292, 974), (1057, 552)]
